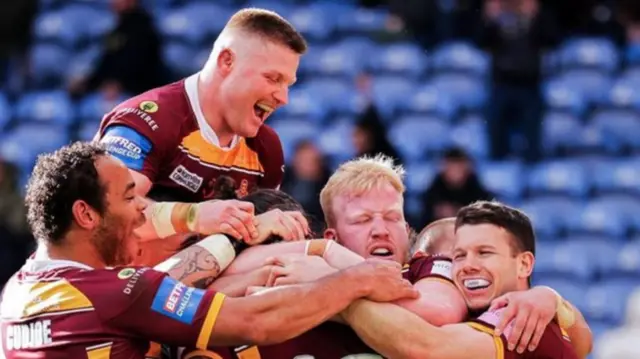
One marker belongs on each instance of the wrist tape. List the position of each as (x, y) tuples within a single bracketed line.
[(317, 247), (169, 218)]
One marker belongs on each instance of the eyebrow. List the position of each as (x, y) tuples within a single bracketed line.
[(130, 186)]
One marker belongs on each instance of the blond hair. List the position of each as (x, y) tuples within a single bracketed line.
[(268, 24), (436, 237), (358, 176)]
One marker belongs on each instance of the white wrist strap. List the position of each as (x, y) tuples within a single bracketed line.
[(221, 249), (161, 219)]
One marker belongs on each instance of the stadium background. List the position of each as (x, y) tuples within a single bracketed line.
[(427, 89)]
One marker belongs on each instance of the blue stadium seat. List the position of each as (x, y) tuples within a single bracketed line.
[(93, 107), (623, 94), (460, 57), (558, 94), (471, 135), (93, 22), (568, 260), (631, 74), (88, 130), (343, 59), (602, 251), (292, 131), (82, 63), (179, 57), (389, 92), (419, 177), (337, 95), (317, 20), (570, 290), (593, 85), (428, 99), (632, 54), (362, 21), (607, 216), (414, 136), (24, 143), (194, 22), (5, 112), (617, 176), (607, 301), (467, 92), (48, 64), (559, 131), (335, 141), (57, 27), (628, 259), (399, 59), (550, 215), (596, 53), (619, 128), (503, 179), (307, 103), (52, 107), (560, 177)]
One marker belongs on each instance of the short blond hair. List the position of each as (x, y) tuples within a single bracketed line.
[(358, 176), (269, 24), (436, 237)]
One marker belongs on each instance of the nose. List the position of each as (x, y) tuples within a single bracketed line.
[(282, 96), (379, 228), (141, 204), (470, 265)]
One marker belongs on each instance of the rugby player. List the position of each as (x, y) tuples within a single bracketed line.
[(493, 255), (72, 300), (177, 139)]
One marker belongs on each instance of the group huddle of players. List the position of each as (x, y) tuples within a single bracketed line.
[(168, 237)]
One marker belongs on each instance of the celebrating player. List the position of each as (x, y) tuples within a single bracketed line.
[(177, 139), (493, 255), (70, 300)]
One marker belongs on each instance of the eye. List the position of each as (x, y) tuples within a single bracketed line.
[(485, 253), (459, 256)]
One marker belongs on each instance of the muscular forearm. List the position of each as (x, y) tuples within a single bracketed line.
[(279, 314), (236, 285), (580, 334)]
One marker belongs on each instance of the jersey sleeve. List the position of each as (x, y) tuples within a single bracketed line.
[(150, 304), (486, 323), (271, 157), (431, 267), (139, 135)]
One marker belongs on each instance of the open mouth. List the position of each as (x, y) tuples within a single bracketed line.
[(382, 252), (476, 284), (262, 111)]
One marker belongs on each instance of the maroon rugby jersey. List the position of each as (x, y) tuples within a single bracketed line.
[(554, 344), (63, 309), (162, 134), (329, 340)]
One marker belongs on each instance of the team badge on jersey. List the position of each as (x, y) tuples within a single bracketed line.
[(149, 106), (177, 301), (126, 273)]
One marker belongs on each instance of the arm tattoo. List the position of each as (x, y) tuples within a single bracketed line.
[(195, 267)]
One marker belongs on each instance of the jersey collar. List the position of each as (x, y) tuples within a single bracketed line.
[(191, 88)]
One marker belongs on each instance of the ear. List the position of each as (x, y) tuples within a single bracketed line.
[(84, 215), (331, 233), (226, 58), (525, 266)]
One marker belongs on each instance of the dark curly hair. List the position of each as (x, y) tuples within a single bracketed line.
[(58, 180)]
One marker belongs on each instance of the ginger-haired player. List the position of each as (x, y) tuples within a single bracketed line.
[(178, 139)]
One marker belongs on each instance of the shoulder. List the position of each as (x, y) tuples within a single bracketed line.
[(266, 140), (155, 113), (424, 266)]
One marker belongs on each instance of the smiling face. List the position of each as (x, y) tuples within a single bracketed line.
[(256, 78), (372, 224), (487, 264)]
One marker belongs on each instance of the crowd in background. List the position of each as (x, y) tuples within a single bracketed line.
[(515, 32)]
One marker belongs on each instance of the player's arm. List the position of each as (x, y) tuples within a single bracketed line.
[(572, 321), (235, 285), (397, 333)]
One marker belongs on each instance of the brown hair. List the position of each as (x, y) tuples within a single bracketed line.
[(270, 25)]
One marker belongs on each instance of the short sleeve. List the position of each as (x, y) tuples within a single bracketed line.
[(151, 304), (433, 267)]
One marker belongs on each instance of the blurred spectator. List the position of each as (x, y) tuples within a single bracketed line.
[(132, 58), (370, 134), (455, 186), (16, 17), (516, 33), (305, 179), (15, 238)]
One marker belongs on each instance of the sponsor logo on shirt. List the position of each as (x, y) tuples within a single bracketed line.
[(144, 115), (126, 273), (442, 268), (128, 145), (177, 301), (149, 106), (134, 278), (186, 179)]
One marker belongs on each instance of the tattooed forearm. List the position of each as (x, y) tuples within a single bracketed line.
[(193, 266)]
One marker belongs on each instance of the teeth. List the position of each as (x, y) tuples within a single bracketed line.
[(265, 108), (476, 283), (381, 251)]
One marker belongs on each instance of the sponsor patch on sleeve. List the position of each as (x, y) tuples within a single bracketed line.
[(127, 145), (442, 267), (177, 301)]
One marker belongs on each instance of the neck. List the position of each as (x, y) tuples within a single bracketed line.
[(210, 105), (80, 251)]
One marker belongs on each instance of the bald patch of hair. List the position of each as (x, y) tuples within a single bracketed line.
[(269, 25), (358, 176), (437, 237)]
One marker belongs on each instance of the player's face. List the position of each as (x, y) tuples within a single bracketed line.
[(257, 84), (485, 265), (114, 238), (372, 224)]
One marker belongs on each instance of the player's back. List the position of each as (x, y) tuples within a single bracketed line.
[(554, 344)]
